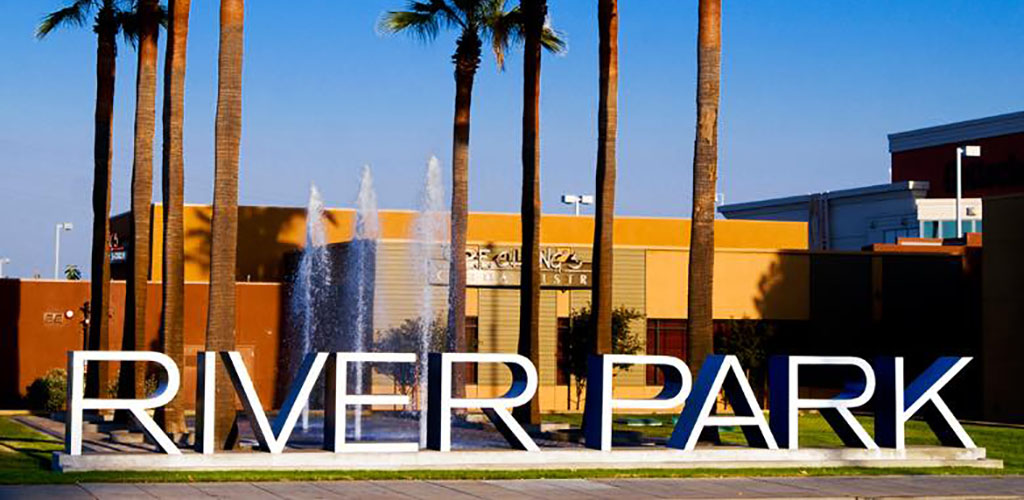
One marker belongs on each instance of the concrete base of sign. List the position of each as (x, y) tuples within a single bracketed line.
[(662, 458)]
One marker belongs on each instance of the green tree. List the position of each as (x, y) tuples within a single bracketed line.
[(476, 21), (109, 18), (72, 273), (220, 324), (406, 338), (578, 344), (700, 331), (750, 341)]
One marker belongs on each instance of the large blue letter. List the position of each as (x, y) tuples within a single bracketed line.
[(712, 377), (894, 405)]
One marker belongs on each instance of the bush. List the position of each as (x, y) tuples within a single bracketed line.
[(49, 392)]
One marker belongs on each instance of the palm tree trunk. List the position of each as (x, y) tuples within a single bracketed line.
[(607, 131), (467, 60), (705, 173), (172, 331), (534, 12), (99, 301), (133, 380), (220, 326)]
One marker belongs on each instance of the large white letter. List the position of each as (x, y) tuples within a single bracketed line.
[(271, 438), (696, 414), (894, 406), (441, 402), (338, 399), (784, 400), (597, 413), (77, 402)]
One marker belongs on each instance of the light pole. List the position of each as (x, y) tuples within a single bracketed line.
[(3, 260), (64, 226), (577, 199), (961, 152)]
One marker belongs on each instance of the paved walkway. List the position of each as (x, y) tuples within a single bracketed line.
[(561, 489)]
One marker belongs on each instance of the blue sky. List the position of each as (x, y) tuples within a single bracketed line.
[(810, 89)]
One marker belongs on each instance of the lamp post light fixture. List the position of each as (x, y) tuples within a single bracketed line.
[(576, 200), (64, 226), (961, 152), (3, 260)]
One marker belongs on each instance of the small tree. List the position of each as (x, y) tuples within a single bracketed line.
[(577, 346), (406, 338), (72, 272), (749, 341)]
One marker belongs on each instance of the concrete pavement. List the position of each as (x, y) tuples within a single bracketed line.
[(561, 489)]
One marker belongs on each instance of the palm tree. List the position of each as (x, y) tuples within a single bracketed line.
[(172, 328), (532, 16), (110, 18), (700, 330), (476, 21), (607, 131), (132, 381), (220, 325)]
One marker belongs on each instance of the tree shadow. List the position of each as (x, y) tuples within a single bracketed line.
[(871, 304)]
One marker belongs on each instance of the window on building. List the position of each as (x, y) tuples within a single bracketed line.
[(930, 229), (472, 345), (665, 337), (562, 352), (948, 229)]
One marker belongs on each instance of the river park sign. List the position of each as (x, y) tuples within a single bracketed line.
[(771, 443)]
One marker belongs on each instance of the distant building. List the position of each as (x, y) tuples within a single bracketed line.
[(851, 219), (929, 154), (920, 200)]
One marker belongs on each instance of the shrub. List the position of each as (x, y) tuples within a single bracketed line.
[(49, 392)]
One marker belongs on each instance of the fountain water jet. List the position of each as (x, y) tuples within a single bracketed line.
[(431, 233), (312, 282), (359, 282)]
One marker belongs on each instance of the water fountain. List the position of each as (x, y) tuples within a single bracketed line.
[(431, 233), (312, 283), (359, 281)]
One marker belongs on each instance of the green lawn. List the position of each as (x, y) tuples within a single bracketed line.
[(25, 458)]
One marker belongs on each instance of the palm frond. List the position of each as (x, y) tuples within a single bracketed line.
[(129, 23), (505, 29), (423, 20), (76, 14), (553, 40)]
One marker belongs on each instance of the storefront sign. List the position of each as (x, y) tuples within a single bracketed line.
[(894, 401), (487, 266)]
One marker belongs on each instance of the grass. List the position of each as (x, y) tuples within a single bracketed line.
[(25, 456)]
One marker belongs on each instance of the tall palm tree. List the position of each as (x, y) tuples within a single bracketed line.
[(532, 15), (476, 20), (133, 381), (110, 18), (220, 325), (607, 131), (700, 330), (172, 328)]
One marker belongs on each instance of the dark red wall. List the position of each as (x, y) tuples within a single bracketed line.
[(999, 170)]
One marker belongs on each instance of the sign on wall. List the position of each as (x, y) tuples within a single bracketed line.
[(491, 266)]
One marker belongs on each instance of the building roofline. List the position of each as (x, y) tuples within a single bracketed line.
[(832, 195), (991, 126)]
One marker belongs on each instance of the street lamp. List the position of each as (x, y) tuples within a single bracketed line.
[(64, 226), (3, 260), (577, 199), (961, 152)]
